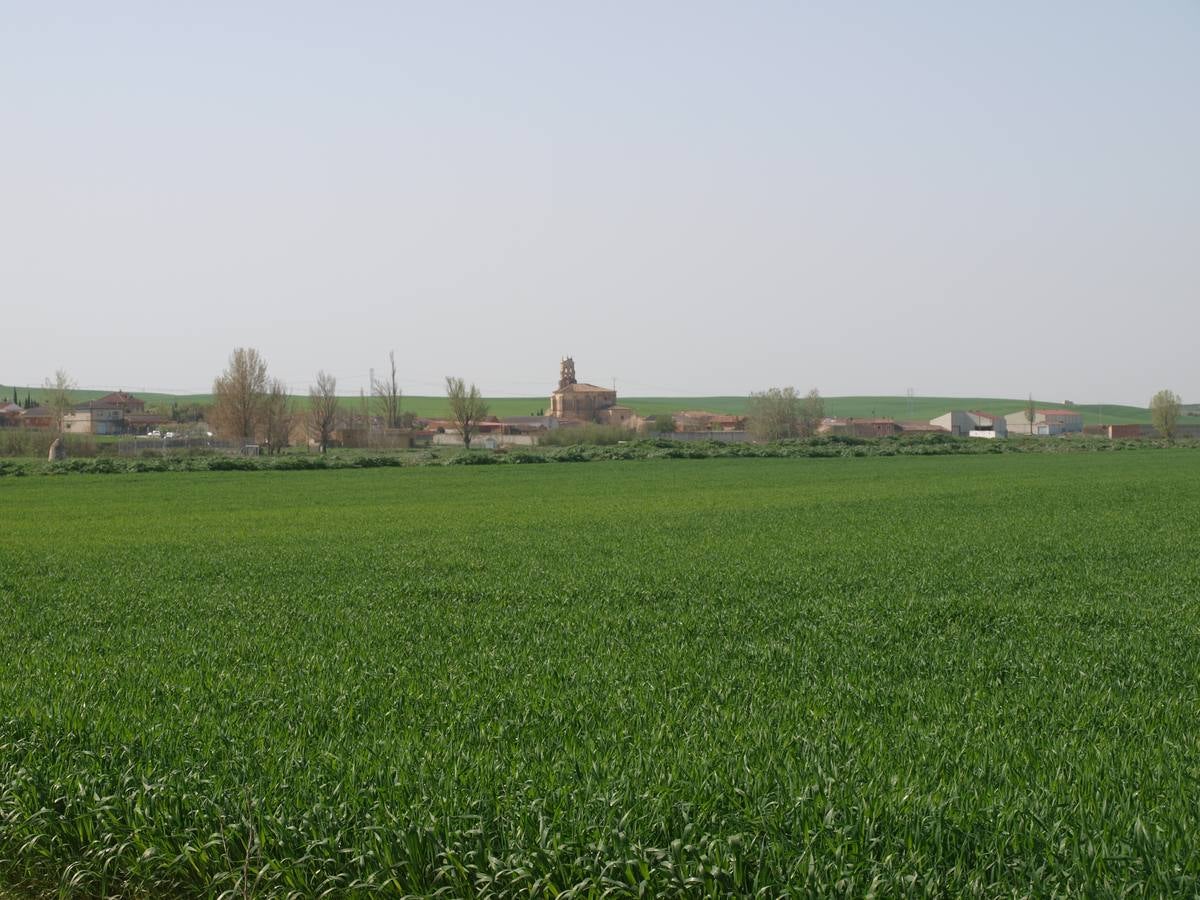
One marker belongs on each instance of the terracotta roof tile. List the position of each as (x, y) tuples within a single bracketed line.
[(581, 388)]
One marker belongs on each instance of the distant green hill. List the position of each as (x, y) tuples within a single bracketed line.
[(919, 409)]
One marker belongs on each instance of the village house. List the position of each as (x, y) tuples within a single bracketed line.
[(127, 403), (37, 417), (1126, 431), (1045, 422), (528, 424), (94, 417), (698, 420), (490, 433), (143, 422), (116, 413)]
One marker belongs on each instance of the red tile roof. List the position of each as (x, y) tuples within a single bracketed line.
[(96, 404), (119, 398), (581, 388)]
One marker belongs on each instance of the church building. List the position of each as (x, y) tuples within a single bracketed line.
[(586, 402)]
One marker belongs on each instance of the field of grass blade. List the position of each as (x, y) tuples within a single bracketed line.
[(957, 675)]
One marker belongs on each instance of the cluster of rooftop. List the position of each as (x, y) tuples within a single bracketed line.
[(575, 403), (115, 413), (964, 423)]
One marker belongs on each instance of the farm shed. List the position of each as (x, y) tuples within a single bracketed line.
[(1045, 422), (972, 422)]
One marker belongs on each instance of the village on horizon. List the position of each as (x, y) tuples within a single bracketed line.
[(573, 404)]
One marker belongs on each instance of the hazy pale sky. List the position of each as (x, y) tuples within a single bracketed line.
[(693, 198)]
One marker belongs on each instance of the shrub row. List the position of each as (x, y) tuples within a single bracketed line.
[(823, 447)]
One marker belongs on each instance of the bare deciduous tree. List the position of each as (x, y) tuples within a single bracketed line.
[(58, 396), (1165, 407), (323, 409), (239, 395), (386, 392), (277, 416), (775, 414), (467, 407), (812, 411)]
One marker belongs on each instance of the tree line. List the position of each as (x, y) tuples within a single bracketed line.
[(250, 406)]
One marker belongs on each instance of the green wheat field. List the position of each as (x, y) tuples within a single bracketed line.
[(956, 676)]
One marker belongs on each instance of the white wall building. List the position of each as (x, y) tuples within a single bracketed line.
[(1045, 422), (972, 423)]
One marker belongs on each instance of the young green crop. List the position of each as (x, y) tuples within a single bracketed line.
[(956, 675)]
